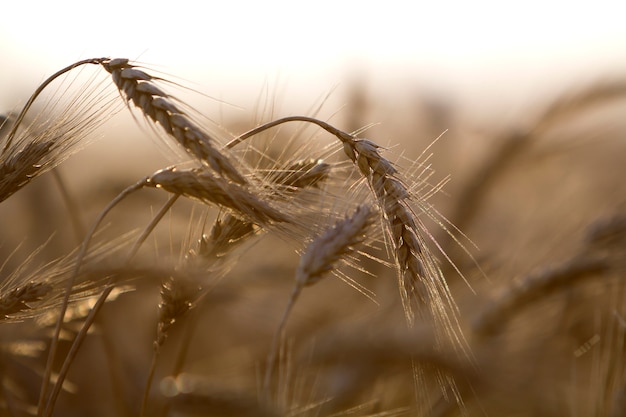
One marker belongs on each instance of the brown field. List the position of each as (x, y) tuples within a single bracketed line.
[(320, 266)]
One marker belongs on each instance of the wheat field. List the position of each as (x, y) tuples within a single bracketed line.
[(304, 265)]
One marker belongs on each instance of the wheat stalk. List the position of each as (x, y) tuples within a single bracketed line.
[(420, 278), (320, 257), (301, 174)]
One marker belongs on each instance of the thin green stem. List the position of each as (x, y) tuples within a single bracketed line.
[(152, 225)]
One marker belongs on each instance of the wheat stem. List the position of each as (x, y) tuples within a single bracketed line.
[(76, 344), (144, 235), (146, 391), (536, 286), (55, 338), (343, 136), (38, 91), (277, 341), (70, 203), (320, 257)]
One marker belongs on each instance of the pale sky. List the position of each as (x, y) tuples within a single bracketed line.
[(233, 47)]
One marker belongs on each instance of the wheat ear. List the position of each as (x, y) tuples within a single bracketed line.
[(420, 278), (177, 298), (320, 257), (19, 168), (156, 105), (196, 183), (301, 174)]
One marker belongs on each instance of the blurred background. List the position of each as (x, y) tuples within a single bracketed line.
[(529, 97), (469, 52)]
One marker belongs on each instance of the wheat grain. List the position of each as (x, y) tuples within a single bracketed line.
[(178, 296), (226, 233)]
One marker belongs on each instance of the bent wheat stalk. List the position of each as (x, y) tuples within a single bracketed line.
[(54, 132), (38, 91), (196, 183), (420, 279), (320, 257)]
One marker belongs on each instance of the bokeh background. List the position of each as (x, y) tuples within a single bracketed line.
[(529, 97), (470, 51)]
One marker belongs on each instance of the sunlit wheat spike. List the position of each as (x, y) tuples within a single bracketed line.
[(200, 184), (54, 122), (177, 297), (156, 105), (325, 251), (321, 256), (420, 277), (302, 174), (226, 233)]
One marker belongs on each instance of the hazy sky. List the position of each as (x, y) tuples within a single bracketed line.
[(234, 46)]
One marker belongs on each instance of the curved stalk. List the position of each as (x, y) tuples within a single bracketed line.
[(38, 91)]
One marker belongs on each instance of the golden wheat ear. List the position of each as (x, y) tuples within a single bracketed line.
[(421, 281), (159, 107), (200, 184)]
